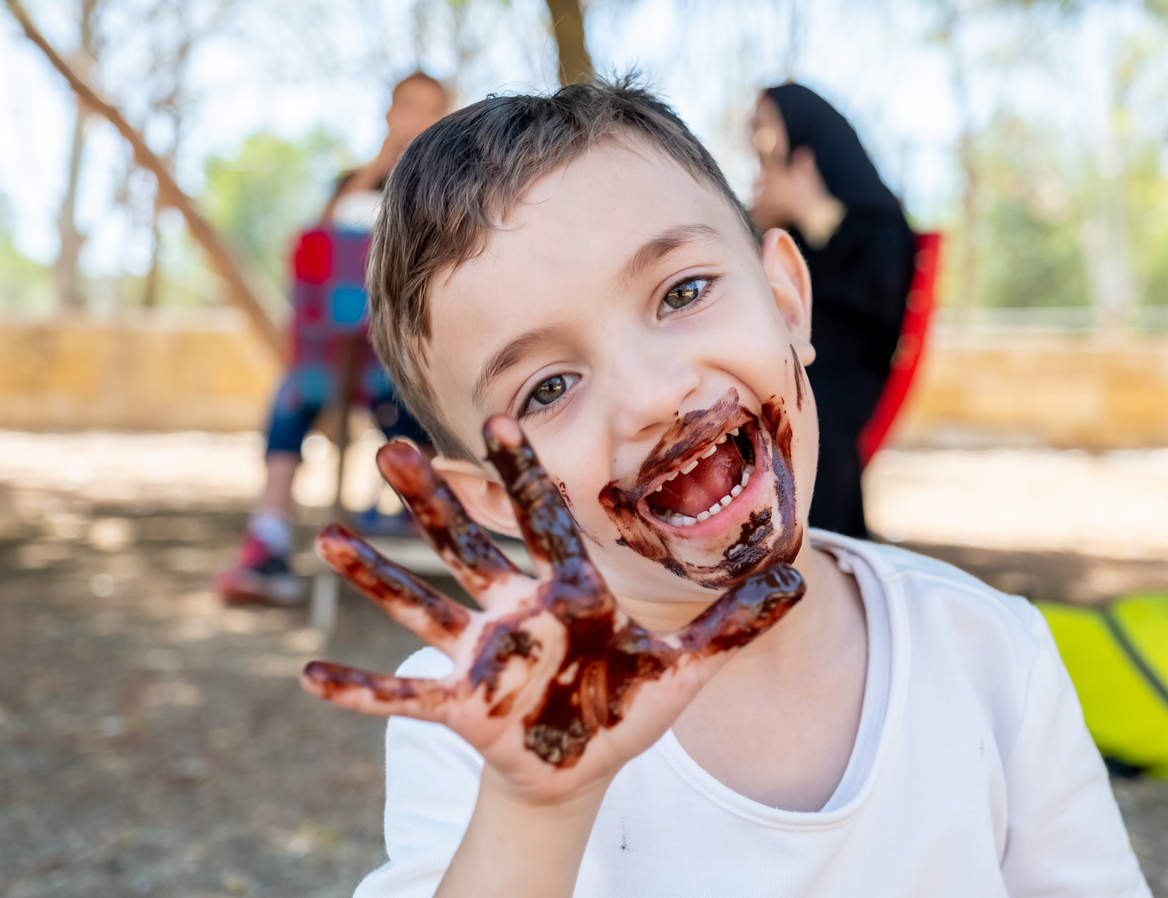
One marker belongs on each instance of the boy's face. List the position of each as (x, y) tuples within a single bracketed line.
[(624, 316)]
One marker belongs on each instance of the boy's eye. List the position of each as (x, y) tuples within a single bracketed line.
[(548, 391), (681, 295)]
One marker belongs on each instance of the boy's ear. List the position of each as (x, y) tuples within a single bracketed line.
[(791, 284), (481, 495)]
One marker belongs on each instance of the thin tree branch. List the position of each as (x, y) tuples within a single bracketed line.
[(221, 256)]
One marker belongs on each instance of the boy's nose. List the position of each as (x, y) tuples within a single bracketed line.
[(650, 387)]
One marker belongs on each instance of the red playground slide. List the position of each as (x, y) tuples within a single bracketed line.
[(913, 332)]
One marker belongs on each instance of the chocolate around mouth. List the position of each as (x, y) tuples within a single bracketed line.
[(764, 541), (705, 485)]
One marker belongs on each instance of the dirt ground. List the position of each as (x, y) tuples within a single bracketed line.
[(155, 743)]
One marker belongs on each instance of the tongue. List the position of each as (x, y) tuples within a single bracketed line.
[(692, 493)]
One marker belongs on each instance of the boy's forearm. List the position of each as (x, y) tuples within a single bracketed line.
[(515, 849)]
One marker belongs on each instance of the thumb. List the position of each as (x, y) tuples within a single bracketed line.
[(743, 613)]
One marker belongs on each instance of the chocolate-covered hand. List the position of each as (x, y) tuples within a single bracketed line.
[(552, 683)]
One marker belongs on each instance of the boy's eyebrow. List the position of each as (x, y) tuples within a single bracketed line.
[(661, 245), (512, 354), (649, 252)]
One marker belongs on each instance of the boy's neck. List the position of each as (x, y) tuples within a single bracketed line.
[(830, 612), (778, 723)]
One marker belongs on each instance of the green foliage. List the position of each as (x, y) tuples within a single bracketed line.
[(1147, 195), (1029, 261), (268, 190), (1038, 198), (25, 286), (1029, 251)]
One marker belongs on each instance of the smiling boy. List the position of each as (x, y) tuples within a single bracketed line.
[(633, 721)]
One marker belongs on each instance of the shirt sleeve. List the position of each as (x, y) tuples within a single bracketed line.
[(431, 784), (1064, 835)]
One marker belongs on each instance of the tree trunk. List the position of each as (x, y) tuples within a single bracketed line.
[(65, 272), (575, 64), (1106, 243), (150, 287)]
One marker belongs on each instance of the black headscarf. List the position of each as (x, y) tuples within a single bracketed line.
[(847, 172), (862, 274), (860, 279)]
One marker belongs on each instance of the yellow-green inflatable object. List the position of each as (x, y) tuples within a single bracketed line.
[(1117, 656)]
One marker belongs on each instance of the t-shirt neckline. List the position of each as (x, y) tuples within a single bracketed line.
[(874, 718)]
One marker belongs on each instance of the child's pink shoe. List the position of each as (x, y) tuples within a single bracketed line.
[(260, 578)]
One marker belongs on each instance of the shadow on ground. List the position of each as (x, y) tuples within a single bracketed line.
[(155, 743)]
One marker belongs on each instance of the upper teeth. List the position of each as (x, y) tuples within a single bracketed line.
[(682, 520), (710, 450)]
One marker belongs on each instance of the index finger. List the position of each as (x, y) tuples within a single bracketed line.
[(465, 547), (547, 525)]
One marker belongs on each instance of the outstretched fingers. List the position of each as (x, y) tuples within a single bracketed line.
[(547, 525), (377, 694), (463, 545), (744, 612), (408, 600)]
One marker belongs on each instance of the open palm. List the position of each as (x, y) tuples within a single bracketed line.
[(552, 683)]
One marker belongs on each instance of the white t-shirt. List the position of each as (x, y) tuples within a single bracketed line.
[(972, 774)]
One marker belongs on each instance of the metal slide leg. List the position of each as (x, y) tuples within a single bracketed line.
[(322, 613)]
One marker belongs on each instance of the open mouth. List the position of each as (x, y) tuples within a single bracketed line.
[(708, 482)]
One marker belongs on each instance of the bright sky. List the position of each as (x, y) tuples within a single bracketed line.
[(708, 59)]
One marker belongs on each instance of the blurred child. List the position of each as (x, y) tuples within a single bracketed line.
[(262, 574)]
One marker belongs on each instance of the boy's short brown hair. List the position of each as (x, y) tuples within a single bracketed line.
[(463, 175)]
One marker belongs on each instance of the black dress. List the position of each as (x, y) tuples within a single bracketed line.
[(860, 280)]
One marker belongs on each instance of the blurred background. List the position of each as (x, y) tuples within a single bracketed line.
[(155, 742)]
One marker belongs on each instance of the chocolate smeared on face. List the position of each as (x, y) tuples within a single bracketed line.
[(764, 540), (751, 547), (799, 375), (674, 567), (563, 490), (778, 425), (687, 433), (684, 436)]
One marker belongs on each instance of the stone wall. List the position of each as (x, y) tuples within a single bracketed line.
[(207, 371), (160, 372), (1060, 390)]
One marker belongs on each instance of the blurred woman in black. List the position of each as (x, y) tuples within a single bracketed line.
[(818, 183)]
